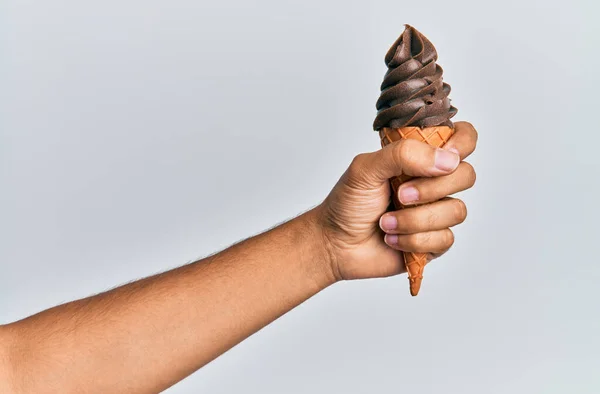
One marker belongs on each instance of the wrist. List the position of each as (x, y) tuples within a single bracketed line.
[(326, 272)]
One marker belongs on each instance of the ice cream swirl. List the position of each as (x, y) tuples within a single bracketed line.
[(412, 91)]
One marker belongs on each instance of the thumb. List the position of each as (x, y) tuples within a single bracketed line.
[(403, 157)]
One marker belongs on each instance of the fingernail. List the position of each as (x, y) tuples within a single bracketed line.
[(446, 160), (391, 239), (388, 222), (408, 194)]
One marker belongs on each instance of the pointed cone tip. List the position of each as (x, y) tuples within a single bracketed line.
[(415, 286)]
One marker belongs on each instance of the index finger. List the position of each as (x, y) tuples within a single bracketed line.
[(463, 140)]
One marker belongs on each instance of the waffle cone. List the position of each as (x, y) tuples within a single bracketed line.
[(434, 136)]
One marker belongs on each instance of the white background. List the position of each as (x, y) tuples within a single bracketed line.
[(136, 136)]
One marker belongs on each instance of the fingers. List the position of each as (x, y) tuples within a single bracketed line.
[(425, 218), (463, 140), (434, 242), (425, 228), (424, 190), (414, 158), (410, 157)]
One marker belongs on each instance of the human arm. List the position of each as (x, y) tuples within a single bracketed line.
[(147, 335)]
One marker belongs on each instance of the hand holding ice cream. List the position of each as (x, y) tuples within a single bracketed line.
[(413, 121)]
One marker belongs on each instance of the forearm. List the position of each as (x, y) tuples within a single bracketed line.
[(147, 335)]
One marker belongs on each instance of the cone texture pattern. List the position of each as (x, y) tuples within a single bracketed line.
[(435, 136)]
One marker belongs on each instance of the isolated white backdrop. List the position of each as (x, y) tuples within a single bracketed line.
[(136, 136)]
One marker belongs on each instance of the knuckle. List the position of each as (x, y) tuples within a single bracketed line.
[(470, 174), (468, 124), (460, 211), (358, 160), (448, 238), (358, 165), (473, 134), (422, 240), (432, 218)]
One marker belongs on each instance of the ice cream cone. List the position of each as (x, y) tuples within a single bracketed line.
[(414, 103), (435, 136)]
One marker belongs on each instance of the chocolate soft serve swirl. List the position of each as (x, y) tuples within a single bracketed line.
[(412, 91)]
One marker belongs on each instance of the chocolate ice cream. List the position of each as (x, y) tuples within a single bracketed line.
[(412, 92)]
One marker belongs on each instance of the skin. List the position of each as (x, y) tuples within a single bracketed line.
[(147, 335)]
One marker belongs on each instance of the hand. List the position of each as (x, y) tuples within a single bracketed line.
[(353, 216)]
